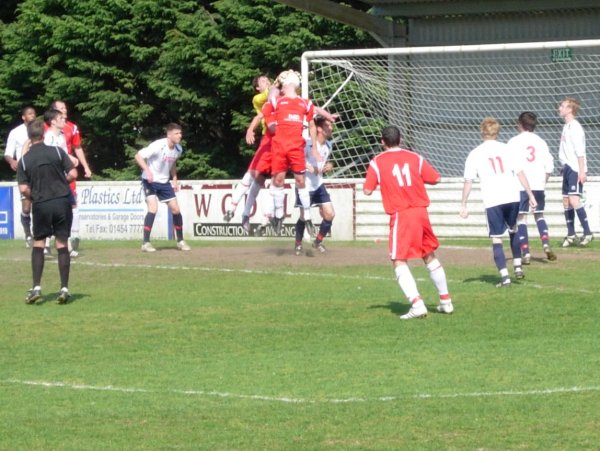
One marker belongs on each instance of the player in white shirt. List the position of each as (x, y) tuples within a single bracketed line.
[(159, 179), (499, 171), (315, 186), (538, 165), (571, 155), (17, 137), (55, 121)]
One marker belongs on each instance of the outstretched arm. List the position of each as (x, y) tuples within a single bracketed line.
[(326, 114), (250, 138)]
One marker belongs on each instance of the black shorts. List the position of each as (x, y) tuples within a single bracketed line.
[(164, 191), (318, 197), (571, 185), (540, 198), (52, 217), (501, 218)]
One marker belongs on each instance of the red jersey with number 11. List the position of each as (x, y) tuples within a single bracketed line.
[(401, 175)]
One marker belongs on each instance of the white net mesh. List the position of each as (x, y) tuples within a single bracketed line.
[(438, 98)]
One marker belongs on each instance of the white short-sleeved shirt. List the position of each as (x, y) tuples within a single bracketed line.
[(59, 140), (537, 161), (572, 145), (496, 166), (160, 159), (313, 181), (14, 143)]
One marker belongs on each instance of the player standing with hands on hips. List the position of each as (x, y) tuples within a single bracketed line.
[(159, 179), (401, 175)]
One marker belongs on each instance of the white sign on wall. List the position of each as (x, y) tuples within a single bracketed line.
[(116, 210)]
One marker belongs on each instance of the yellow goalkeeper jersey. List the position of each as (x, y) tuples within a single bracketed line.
[(257, 102)]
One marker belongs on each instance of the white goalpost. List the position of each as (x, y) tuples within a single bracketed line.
[(439, 95)]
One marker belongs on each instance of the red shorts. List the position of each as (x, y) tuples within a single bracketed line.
[(288, 155), (263, 147), (261, 162), (411, 235)]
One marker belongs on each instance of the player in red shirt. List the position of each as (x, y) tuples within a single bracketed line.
[(286, 116), (73, 140), (401, 175)]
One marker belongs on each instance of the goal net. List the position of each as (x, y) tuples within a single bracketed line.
[(438, 96)]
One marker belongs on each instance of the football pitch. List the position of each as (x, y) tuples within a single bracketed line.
[(243, 345)]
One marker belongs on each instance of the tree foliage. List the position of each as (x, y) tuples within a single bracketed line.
[(128, 67)]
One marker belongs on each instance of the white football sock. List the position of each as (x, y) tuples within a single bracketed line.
[(407, 282)]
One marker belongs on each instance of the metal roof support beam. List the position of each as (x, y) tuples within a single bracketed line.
[(470, 7), (388, 33)]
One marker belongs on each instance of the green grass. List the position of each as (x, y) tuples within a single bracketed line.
[(174, 351)]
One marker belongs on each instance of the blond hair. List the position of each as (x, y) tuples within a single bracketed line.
[(490, 127), (573, 103)]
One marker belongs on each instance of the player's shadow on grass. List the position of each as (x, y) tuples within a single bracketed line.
[(487, 279), (51, 298), (287, 252), (542, 260), (397, 308)]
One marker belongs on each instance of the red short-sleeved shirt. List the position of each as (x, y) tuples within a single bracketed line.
[(289, 114), (401, 174)]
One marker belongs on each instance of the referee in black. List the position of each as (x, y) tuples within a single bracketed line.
[(43, 174)]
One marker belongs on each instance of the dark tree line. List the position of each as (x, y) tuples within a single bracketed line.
[(128, 67)]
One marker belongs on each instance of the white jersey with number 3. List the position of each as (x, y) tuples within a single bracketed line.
[(536, 158), (496, 166)]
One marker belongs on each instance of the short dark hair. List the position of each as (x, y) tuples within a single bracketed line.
[(50, 115), (172, 126), (528, 121), (391, 136), (320, 121), (35, 130), (25, 109), (53, 104)]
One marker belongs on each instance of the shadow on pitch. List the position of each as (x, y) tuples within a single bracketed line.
[(51, 298), (397, 308), (488, 279)]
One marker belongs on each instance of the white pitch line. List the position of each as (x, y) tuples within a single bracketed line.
[(291, 400), (294, 274), (213, 269)]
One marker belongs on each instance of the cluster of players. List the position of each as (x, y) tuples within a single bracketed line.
[(283, 113), (512, 176), (45, 154), (42, 175), (509, 199), (58, 131)]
